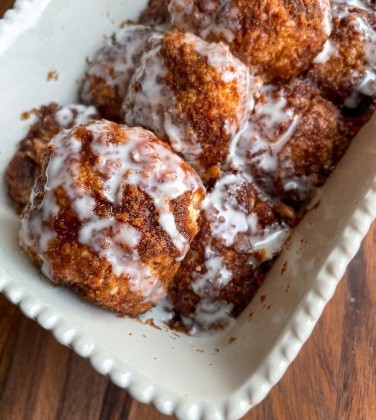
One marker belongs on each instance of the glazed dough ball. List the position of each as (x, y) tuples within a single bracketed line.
[(112, 215), (193, 94), (107, 80), (223, 268), (345, 68), (278, 38), (292, 142), (25, 165)]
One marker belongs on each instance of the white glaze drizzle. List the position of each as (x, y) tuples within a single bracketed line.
[(232, 224), (344, 5), (261, 139), (235, 227), (145, 106), (75, 114), (208, 13), (150, 167), (226, 218), (327, 16), (216, 275), (209, 313), (226, 22), (256, 149), (155, 106), (330, 50), (207, 283), (118, 59), (365, 83)]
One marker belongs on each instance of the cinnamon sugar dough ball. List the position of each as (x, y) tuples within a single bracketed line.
[(107, 80), (346, 67), (193, 94), (292, 142), (24, 168), (223, 268), (112, 215), (278, 38)]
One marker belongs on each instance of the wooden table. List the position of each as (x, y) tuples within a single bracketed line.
[(334, 376)]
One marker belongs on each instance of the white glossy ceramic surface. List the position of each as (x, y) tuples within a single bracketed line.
[(192, 378)]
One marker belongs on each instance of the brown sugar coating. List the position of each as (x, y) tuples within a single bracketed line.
[(25, 166), (192, 94), (292, 142), (278, 38), (107, 80), (345, 69), (223, 268), (112, 215), (155, 13)]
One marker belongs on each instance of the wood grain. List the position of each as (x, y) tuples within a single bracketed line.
[(334, 376)]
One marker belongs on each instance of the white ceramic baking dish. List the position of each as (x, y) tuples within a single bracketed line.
[(213, 377)]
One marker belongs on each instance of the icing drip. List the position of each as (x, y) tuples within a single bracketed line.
[(257, 149), (232, 224), (118, 59), (152, 103), (237, 228), (353, 11), (330, 50), (149, 166), (367, 84), (76, 114)]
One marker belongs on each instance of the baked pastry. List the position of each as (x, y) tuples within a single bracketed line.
[(112, 215), (259, 109), (277, 38), (25, 165), (291, 143), (345, 69), (107, 80), (223, 268), (192, 94)]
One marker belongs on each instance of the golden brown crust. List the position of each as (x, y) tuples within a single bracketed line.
[(25, 165), (297, 153), (318, 137), (204, 100), (106, 82), (202, 275), (278, 38), (339, 75), (200, 96), (85, 267)]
